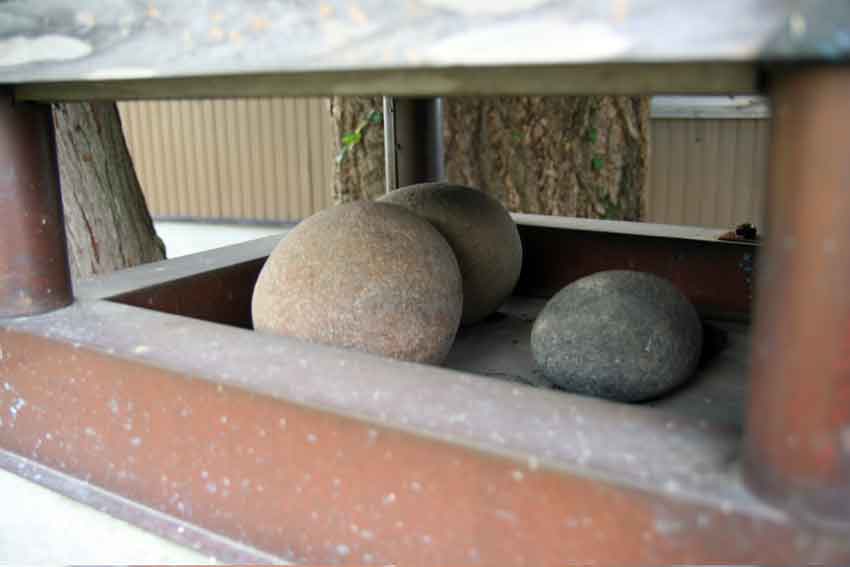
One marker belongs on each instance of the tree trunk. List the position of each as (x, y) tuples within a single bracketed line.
[(106, 216), (570, 156), (359, 172)]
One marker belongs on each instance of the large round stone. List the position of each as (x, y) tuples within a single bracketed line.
[(622, 335), (368, 276), (482, 234)]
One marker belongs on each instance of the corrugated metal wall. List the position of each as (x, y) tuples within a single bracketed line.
[(246, 159), (272, 159), (708, 172)]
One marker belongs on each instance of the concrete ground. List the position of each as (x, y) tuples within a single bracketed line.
[(188, 237), (39, 527)]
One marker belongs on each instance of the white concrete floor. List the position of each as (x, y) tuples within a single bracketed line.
[(188, 237), (39, 526)]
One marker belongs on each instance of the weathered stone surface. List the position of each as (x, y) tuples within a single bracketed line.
[(622, 335), (368, 276), (482, 234)]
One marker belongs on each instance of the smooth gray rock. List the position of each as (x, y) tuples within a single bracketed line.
[(622, 335), (482, 235), (368, 276)]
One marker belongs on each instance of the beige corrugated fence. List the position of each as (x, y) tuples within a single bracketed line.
[(271, 159), (708, 172), (246, 159)]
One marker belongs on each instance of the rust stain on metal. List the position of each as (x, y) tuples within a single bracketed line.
[(799, 413)]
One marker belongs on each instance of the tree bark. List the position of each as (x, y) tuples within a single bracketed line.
[(359, 170), (570, 156), (106, 217)]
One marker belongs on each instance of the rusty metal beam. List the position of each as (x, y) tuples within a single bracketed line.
[(214, 286), (222, 295), (34, 273), (318, 454), (798, 442), (716, 276), (135, 279)]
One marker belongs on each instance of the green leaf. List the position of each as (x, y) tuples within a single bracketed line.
[(375, 117), (597, 163), (517, 137), (592, 135), (352, 138)]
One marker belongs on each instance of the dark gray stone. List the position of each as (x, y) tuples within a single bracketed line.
[(482, 235), (621, 335)]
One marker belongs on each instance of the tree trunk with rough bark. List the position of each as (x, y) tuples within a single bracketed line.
[(106, 217), (569, 156), (359, 169), (572, 156)]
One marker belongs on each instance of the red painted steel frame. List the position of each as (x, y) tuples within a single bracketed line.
[(316, 454), (716, 276), (34, 274), (798, 444), (280, 448)]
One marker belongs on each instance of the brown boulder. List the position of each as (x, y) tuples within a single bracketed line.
[(482, 234), (368, 276)]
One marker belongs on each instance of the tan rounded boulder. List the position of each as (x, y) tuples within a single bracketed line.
[(368, 276), (482, 234)]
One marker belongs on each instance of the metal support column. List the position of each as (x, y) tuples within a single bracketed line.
[(414, 129), (34, 273), (797, 451)]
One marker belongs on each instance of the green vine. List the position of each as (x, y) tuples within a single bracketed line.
[(601, 201), (611, 209), (351, 139), (597, 162)]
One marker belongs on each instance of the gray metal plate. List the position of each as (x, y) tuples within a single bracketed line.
[(103, 40)]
